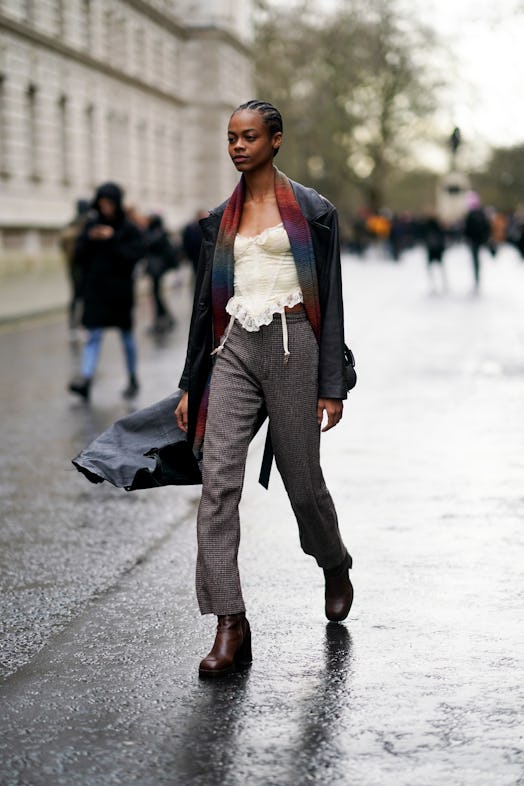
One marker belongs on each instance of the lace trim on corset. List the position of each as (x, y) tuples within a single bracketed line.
[(253, 322)]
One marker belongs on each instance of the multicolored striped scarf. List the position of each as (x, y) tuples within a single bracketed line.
[(222, 281)]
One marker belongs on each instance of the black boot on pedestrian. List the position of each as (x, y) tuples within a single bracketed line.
[(132, 388), (81, 387), (339, 591), (165, 323), (231, 651)]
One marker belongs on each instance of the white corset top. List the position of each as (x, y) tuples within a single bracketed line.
[(266, 278)]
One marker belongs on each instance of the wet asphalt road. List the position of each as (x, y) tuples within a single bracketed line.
[(422, 686)]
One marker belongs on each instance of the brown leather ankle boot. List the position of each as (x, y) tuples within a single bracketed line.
[(232, 648), (339, 591)]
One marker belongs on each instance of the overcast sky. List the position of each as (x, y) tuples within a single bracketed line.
[(485, 39)]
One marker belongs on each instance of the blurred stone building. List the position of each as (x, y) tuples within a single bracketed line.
[(129, 90)]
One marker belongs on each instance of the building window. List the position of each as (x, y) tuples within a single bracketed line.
[(32, 134), (158, 61), (112, 145), (115, 32), (90, 145), (60, 18), (140, 52), (173, 69), (107, 27), (29, 11), (87, 24), (143, 157), (177, 173), (4, 171), (123, 130), (64, 141), (121, 43), (118, 145), (160, 162)]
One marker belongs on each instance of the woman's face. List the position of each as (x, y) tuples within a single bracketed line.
[(249, 142), (107, 208)]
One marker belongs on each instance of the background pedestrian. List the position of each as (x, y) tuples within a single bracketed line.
[(68, 238), (107, 251), (434, 238), (192, 239), (160, 256), (477, 231)]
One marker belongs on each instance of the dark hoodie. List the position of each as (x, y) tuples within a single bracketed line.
[(113, 192), (107, 265)]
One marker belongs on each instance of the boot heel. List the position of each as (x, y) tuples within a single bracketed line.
[(243, 657)]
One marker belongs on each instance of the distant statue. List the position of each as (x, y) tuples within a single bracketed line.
[(455, 141)]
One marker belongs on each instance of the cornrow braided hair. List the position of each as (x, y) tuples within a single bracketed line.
[(271, 117)]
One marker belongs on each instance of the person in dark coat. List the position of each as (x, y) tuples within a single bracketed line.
[(515, 231), (477, 231), (266, 338), (435, 243), (68, 238), (192, 239), (107, 251), (161, 256)]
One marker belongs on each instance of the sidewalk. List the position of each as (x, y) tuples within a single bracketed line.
[(38, 293), (32, 294)]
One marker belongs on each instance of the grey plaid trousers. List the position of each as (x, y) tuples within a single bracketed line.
[(248, 372)]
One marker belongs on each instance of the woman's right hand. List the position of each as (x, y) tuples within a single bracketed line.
[(181, 413)]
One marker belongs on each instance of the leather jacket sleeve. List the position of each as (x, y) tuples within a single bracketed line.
[(201, 320), (331, 375)]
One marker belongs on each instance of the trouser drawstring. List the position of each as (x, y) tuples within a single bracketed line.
[(226, 336), (284, 336)]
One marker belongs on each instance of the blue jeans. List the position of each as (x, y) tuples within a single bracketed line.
[(94, 344)]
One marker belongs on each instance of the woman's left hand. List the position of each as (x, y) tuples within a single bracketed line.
[(333, 408)]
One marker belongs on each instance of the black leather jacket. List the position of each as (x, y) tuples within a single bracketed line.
[(323, 224)]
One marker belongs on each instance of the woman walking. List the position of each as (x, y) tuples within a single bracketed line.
[(268, 308)]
